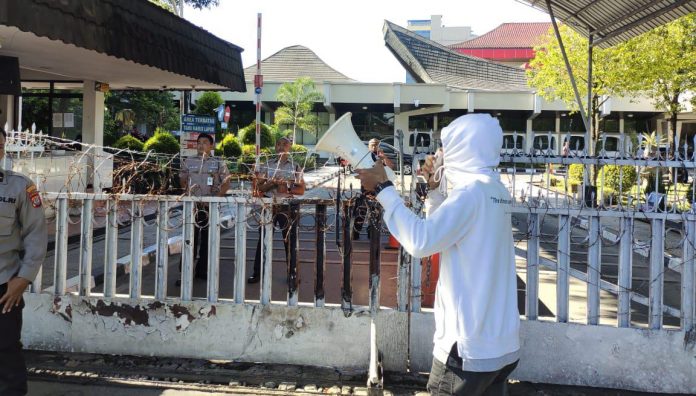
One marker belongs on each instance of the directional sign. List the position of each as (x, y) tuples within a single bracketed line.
[(197, 123), (220, 112), (257, 90)]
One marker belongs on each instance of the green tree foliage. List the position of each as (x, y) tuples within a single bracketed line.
[(575, 173), (129, 142), (248, 158), (298, 98), (229, 147), (207, 103), (174, 5), (300, 156), (619, 177), (247, 135), (154, 108), (162, 142), (547, 73), (662, 65)]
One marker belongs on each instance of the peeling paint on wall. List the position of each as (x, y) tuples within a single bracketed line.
[(62, 309)]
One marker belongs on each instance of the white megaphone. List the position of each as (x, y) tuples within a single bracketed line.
[(342, 140)]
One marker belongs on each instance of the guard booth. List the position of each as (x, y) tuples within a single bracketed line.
[(77, 51)]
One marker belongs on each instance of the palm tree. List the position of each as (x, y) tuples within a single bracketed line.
[(298, 98)]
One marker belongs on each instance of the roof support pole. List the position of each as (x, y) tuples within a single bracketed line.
[(588, 122), (567, 63)]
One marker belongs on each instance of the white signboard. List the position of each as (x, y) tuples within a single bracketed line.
[(69, 120), (57, 120)]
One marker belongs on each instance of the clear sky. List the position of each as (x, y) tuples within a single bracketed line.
[(347, 35)]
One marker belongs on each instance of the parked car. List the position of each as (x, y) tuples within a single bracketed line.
[(392, 153)]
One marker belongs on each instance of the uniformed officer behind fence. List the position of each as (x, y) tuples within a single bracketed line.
[(203, 176), (280, 177), (22, 251)]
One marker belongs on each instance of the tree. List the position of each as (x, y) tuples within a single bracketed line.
[(175, 5), (154, 108), (661, 64), (548, 74), (207, 103), (298, 99)]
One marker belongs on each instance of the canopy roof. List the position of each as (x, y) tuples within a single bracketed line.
[(126, 43), (614, 21)]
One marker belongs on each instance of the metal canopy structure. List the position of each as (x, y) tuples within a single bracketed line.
[(606, 23), (611, 22)]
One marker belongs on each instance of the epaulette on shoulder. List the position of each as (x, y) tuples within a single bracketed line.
[(9, 174)]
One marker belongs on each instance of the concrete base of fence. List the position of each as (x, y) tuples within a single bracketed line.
[(557, 353)]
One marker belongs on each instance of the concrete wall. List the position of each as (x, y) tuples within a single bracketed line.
[(600, 356)]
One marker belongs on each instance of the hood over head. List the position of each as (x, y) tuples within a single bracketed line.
[(471, 145)]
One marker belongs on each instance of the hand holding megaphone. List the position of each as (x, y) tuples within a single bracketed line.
[(371, 177)]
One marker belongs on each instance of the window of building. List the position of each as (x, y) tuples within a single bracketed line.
[(544, 123)]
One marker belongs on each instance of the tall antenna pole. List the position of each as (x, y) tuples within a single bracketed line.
[(258, 85)]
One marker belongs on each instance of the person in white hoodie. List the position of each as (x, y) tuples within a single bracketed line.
[(476, 315)]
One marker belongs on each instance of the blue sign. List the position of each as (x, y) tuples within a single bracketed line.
[(223, 125), (220, 112), (197, 123), (257, 90)]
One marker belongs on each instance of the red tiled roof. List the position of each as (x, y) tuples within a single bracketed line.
[(508, 35)]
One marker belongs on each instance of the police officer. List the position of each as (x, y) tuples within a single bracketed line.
[(203, 176), (22, 250), (280, 177)]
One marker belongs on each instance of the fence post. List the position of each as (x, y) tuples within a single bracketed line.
[(86, 247), (562, 273), (187, 253), (532, 295), (136, 250), (240, 253), (61, 259), (111, 247), (657, 265), (594, 267), (688, 280), (625, 271), (213, 251), (320, 268), (162, 260), (293, 242)]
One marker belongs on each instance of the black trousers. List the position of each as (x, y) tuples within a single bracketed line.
[(449, 378), (281, 219), (200, 242), (13, 370)]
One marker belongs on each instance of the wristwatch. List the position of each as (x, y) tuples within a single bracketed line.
[(381, 186)]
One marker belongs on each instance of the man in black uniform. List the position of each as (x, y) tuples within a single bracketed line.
[(22, 251)]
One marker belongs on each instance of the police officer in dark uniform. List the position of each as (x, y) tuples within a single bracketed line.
[(22, 251), (203, 176)]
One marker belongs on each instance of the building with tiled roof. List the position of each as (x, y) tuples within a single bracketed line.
[(510, 43), (293, 62), (430, 62)]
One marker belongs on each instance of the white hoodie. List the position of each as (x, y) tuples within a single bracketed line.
[(476, 297)]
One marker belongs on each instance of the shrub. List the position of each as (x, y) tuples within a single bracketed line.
[(248, 158), (247, 135), (576, 173), (162, 142), (129, 142), (615, 181), (300, 157), (229, 147), (208, 102)]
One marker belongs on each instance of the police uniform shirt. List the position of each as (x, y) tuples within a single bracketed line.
[(23, 235), (286, 170), (204, 175)]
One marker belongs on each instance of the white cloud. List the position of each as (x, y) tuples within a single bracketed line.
[(347, 35)]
